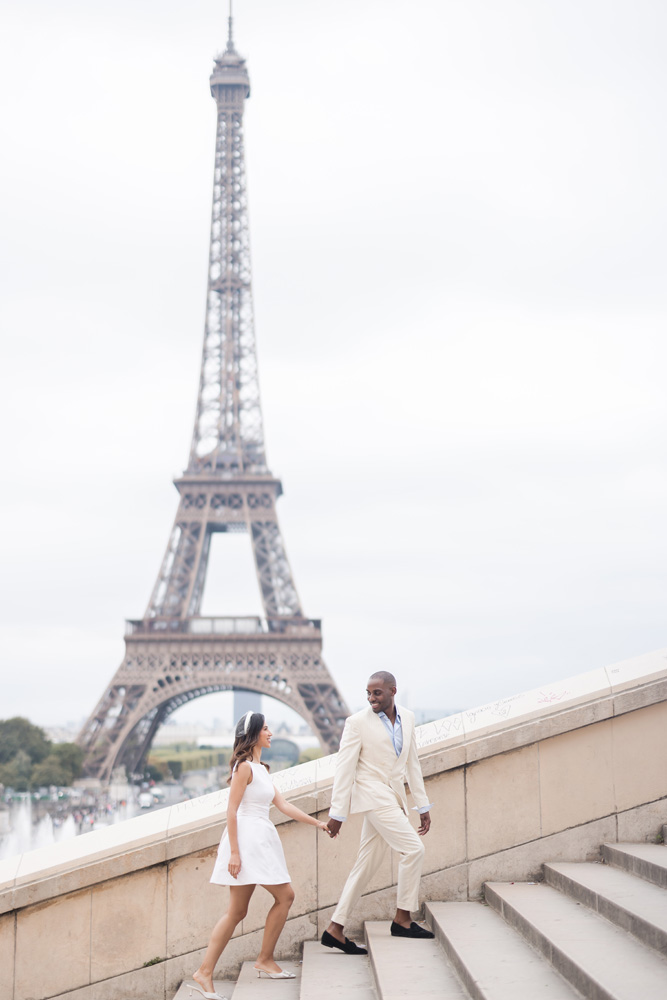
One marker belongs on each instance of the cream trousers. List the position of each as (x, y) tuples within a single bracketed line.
[(385, 827)]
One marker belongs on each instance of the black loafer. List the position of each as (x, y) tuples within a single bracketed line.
[(413, 931), (350, 948)]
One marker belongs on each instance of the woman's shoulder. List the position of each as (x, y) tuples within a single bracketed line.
[(244, 769)]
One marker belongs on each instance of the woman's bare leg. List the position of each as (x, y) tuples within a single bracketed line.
[(283, 896), (239, 897)]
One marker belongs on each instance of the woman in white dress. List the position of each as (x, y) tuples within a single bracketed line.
[(250, 853)]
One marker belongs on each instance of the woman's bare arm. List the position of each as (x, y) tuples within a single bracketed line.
[(241, 778), (295, 813)]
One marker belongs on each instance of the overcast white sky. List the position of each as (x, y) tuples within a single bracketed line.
[(458, 218)]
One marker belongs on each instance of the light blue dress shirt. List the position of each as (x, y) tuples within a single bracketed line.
[(395, 731)]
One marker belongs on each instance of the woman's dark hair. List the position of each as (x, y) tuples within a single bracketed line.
[(245, 738)]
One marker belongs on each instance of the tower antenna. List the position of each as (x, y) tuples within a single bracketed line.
[(230, 40)]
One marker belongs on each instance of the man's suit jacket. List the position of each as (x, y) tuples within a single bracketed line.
[(368, 772)]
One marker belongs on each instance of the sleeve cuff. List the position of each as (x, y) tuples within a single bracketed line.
[(420, 809), (341, 819)]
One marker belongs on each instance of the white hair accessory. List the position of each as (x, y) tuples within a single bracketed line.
[(246, 721)]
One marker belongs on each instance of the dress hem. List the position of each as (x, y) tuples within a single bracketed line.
[(283, 882)]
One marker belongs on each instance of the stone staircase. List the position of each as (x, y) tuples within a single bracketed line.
[(597, 931)]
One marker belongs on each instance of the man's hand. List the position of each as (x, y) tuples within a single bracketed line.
[(425, 824), (334, 826)]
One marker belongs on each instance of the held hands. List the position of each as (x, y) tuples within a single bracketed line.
[(234, 866), (333, 827), (425, 824), (325, 828)]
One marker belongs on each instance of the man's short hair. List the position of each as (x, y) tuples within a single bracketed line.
[(385, 677)]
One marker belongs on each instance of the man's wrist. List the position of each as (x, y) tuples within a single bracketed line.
[(339, 819)]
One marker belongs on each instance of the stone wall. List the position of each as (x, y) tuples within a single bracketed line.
[(547, 775)]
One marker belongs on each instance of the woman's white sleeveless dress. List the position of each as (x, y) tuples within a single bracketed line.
[(262, 858)]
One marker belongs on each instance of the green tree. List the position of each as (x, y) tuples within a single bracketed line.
[(61, 767), (16, 773), (176, 768), (19, 734), (29, 760), (71, 757), (154, 772), (49, 772)]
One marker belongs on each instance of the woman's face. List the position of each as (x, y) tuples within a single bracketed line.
[(264, 741)]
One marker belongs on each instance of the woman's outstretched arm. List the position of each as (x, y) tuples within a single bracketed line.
[(241, 778), (295, 813)]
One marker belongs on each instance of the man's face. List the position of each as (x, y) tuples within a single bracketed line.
[(380, 695)]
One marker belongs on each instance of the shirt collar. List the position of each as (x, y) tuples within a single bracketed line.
[(383, 715)]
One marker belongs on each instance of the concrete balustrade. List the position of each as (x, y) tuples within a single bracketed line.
[(547, 775)]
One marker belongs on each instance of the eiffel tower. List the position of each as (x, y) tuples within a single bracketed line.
[(173, 654)]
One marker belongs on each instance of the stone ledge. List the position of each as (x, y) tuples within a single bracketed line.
[(445, 745), (437, 758)]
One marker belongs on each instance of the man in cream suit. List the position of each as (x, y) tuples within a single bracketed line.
[(378, 754)]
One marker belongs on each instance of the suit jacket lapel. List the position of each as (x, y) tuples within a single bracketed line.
[(407, 735), (382, 731)]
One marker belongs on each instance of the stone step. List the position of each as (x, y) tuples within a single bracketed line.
[(329, 973), (600, 960), (407, 969), (250, 987), (633, 904), (224, 987), (648, 861), (492, 960)]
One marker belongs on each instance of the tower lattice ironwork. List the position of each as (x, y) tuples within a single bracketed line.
[(173, 654)]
